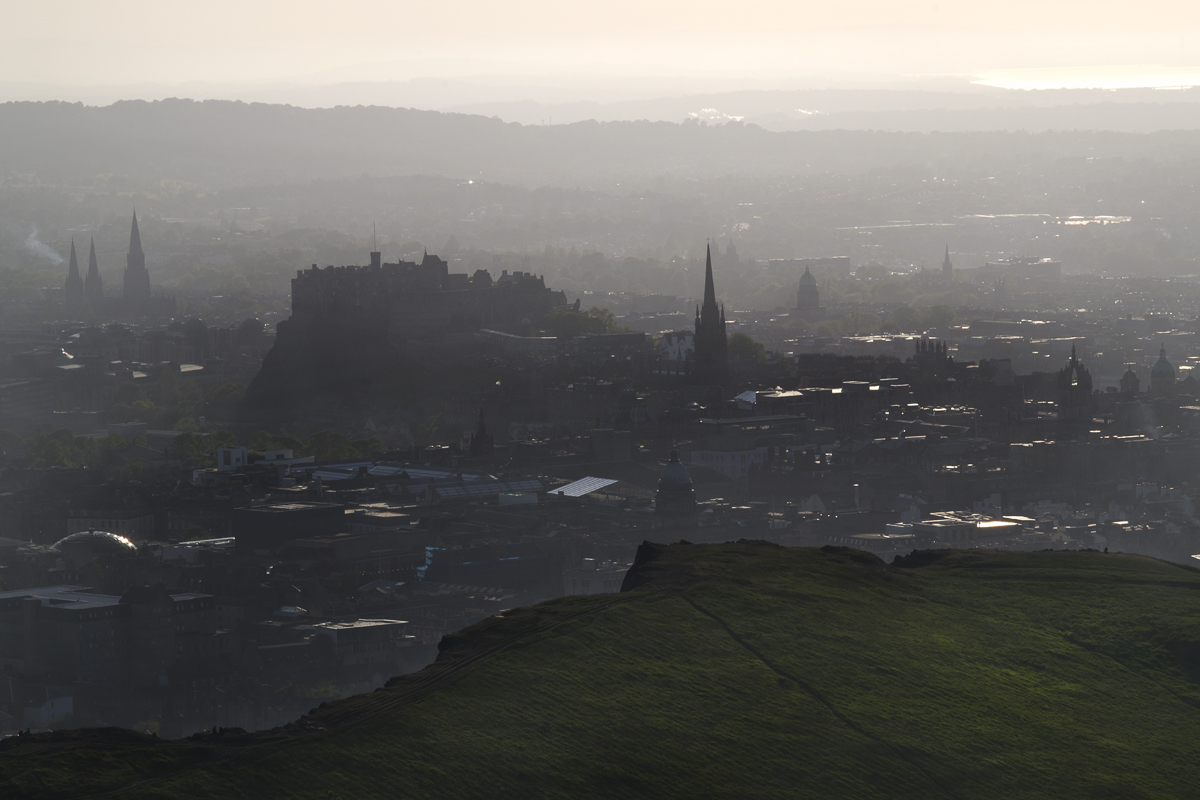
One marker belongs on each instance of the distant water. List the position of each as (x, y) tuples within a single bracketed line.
[(1131, 76)]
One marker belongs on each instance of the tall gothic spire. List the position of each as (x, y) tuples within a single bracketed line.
[(135, 238), (136, 278), (712, 356), (93, 286), (73, 291), (73, 268), (710, 291)]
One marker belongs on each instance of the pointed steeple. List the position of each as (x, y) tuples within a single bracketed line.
[(710, 291), (73, 291), (711, 345), (73, 268), (93, 286), (136, 278), (135, 237)]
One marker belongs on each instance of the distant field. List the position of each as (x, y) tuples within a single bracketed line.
[(743, 670)]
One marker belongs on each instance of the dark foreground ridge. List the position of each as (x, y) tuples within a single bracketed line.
[(740, 670)]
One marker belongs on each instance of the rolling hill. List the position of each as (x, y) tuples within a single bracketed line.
[(741, 670), (217, 144)]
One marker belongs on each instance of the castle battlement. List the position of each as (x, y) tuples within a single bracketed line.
[(414, 291)]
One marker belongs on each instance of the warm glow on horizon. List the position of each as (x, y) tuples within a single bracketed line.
[(1131, 76)]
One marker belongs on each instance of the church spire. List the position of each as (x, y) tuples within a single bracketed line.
[(93, 286), (710, 291), (73, 291), (712, 355), (73, 268), (136, 278), (135, 237)]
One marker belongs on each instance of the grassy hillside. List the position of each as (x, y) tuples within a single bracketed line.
[(743, 670)]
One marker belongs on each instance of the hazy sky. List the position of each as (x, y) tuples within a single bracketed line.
[(253, 41)]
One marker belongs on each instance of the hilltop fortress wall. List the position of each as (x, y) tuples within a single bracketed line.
[(418, 299)]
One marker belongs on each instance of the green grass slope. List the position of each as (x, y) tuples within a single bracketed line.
[(743, 670)]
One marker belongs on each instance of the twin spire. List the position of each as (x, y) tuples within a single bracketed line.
[(91, 289), (73, 291), (92, 285)]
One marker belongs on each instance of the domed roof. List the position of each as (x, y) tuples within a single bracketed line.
[(1129, 373), (807, 278), (675, 473), (1162, 365), (87, 545)]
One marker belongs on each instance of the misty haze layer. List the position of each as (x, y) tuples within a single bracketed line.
[(216, 143)]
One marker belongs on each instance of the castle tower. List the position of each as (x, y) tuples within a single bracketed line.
[(73, 291), (137, 279), (947, 267), (93, 287), (712, 346)]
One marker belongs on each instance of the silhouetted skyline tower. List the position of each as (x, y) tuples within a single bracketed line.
[(137, 279), (947, 266), (73, 291), (1162, 374), (1075, 401), (1130, 382), (93, 287), (712, 346), (808, 296), (482, 443)]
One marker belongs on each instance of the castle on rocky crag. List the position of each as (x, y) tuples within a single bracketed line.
[(410, 300), (366, 331)]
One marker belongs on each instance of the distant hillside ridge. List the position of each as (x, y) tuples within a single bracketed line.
[(218, 144), (740, 670)]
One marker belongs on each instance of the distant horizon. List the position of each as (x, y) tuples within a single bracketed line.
[(600, 89)]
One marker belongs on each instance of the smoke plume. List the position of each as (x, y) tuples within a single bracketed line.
[(36, 246)]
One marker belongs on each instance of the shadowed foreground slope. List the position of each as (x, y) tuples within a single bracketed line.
[(743, 670)]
